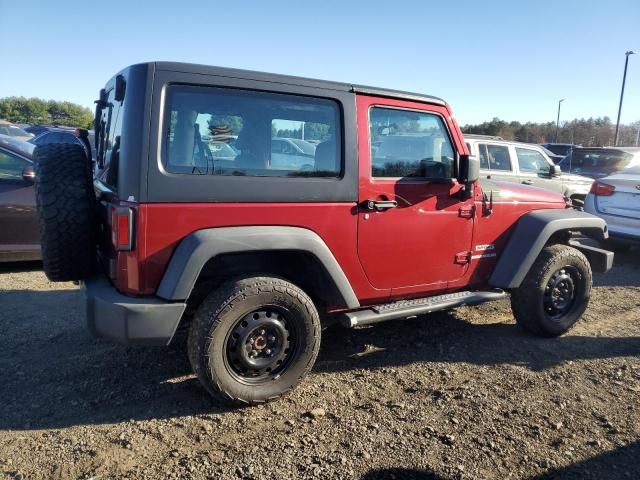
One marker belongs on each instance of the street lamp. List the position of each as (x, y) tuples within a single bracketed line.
[(624, 79), (555, 140)]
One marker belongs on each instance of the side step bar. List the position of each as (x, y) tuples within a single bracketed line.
[(412, 308)]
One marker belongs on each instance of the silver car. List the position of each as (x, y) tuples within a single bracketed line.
[(616, 199), (527, 164)]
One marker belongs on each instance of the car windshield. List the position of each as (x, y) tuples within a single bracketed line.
[(19, 146)]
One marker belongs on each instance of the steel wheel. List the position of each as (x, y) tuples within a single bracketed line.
[(561, 290), (259, 346)]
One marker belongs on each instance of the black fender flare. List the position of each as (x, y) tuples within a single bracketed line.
[(530, 235), (196, 249)]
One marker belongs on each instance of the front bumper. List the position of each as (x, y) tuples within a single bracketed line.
[(129, 320), (601, 260)]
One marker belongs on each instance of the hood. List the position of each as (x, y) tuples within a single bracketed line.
[(513, 192)]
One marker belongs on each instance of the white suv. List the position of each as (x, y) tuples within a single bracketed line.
[(527, 164)]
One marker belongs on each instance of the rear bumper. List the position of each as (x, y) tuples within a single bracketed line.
[(129, 320)]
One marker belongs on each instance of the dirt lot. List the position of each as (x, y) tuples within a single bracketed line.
[(463, 394)]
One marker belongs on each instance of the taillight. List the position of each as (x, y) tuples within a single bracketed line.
[(123, 228), (602, 189)]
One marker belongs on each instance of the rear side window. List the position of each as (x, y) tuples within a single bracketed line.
[(495, 157), (218, 131), (409, 144)]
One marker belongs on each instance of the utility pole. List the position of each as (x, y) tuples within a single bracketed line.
[(555, 140), (624, 79)]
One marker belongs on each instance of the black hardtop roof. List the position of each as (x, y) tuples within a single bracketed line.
[(292, 80)]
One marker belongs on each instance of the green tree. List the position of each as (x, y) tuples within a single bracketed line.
[(39, 111)]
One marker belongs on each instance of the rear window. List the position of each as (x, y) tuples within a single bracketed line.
[(597, 159), (108, 132), (218, 131)]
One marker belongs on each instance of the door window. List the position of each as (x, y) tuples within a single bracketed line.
[(11, 167), (409, 144), (531, 161)]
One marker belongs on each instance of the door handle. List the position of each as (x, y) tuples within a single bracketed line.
[(380, 204), (528, 182)]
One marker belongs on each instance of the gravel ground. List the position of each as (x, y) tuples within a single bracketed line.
[(462, 394)]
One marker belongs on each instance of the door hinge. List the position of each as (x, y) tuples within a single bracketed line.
[(463, 258), (467, 211)]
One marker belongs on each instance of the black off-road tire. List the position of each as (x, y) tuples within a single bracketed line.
[(221, 313), (528, 301), (66, 206)]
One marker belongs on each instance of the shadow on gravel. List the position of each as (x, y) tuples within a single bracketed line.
[(623, 463), (625, 273), (619, 464), (442, 337), (55, 375), (400, 474), (15, 267)]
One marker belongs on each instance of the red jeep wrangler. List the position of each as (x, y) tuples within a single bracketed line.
[(252, 208)]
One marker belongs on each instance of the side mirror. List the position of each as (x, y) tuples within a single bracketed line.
[(554, 170), (29, 174), (468, 169)]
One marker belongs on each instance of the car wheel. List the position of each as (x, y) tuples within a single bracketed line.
[(555, 293), (254, 339)]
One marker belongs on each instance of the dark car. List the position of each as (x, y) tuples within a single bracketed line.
[(563, 149), (598, 162), (64, 135), (19, 236), (38, 129), (555, 158)]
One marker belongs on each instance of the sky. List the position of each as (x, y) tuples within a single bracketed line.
[(508, 59)]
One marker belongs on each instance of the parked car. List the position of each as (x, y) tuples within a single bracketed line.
[(292, 153), (254, 258), (616, 199), (11, 130), (86, 138), (527, 164), (562, 149), (598, 162), (19, 235)]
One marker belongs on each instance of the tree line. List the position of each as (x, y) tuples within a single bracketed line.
[(47, 112), (590, 132)]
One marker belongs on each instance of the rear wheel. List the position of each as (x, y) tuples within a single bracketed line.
[(555, 292), (253, 339), (66, 205)]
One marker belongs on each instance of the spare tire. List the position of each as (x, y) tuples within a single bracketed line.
[(66, 207)]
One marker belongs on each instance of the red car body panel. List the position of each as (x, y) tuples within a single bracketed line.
[(414, 250)]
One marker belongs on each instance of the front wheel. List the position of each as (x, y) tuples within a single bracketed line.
[(253, 339), (555, 293)]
